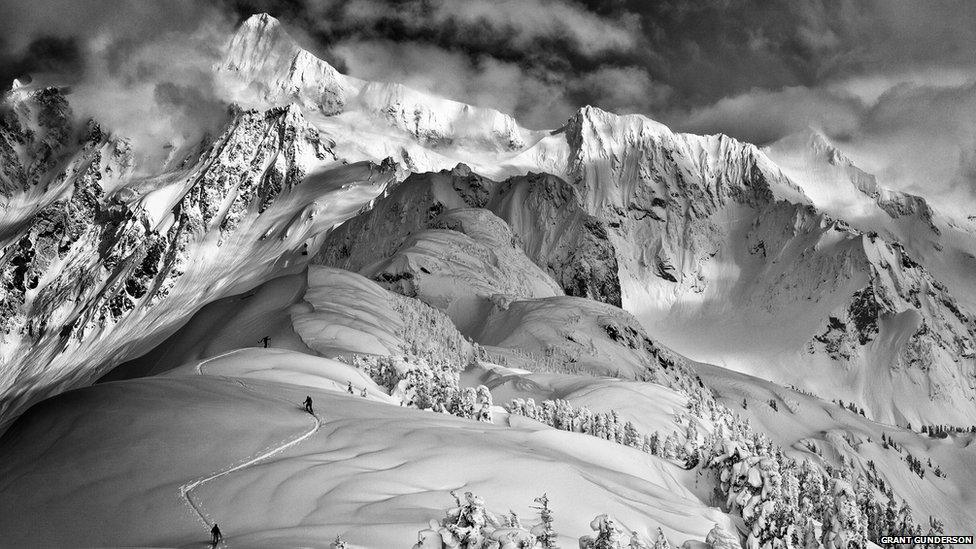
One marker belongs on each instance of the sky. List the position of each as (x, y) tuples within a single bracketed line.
[(891, 82)]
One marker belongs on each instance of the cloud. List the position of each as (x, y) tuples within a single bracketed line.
[(477, 25), (142, 70), (890, 79), (620, 89), (922, 139), (159, 92), (44, 54), (539, 99), (917, 138), (761, 116)]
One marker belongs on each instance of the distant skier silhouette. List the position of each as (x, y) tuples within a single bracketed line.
[(308, 405), (265, 340), (363, 394), (349, 388), (215, 535)]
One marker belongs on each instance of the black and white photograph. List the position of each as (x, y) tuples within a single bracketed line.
[(488, 274)]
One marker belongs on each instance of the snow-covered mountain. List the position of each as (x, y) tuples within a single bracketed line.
[(102, 266), (777, 262), (611, 278)]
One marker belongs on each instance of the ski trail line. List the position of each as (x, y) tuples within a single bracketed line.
[(266, 452)]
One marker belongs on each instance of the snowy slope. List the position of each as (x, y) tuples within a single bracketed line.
[(339, 314), (372, 461), (322, 311)]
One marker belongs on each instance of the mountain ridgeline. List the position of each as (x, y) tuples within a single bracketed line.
[(749, 258)]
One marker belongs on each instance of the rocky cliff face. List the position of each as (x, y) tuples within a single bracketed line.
[(556, 231), (663, 190)]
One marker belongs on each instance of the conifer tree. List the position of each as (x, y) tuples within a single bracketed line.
[(661, 541), (543, 531)]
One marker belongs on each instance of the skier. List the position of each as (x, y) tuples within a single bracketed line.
[(363, 394), (215, 535), (349, 388), (265, 340), (308, 405)]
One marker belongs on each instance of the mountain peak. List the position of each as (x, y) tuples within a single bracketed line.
[(269, 67), (596, 116), (260, 20), (260, 29)]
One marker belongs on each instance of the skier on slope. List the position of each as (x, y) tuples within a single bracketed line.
[(215, 535), (349, 388), (363, 394), (308, 405), (265, 340)]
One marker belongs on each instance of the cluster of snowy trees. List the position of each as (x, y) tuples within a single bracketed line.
[(427, 375), (766, 488), (915, 465), (754, 478), (431, 335), (942, 431), (418, 384), (561, 414), (853, 408), (887, 443), (547, 362), (470, 525)]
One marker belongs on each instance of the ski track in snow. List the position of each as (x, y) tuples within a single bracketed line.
[(198, 509)]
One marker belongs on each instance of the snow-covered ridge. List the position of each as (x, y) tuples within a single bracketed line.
[(265, 64), (107, 265), (837, 185), (631, 158)]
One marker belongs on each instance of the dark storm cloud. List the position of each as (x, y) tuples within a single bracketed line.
[(142, 69), (44, 54)]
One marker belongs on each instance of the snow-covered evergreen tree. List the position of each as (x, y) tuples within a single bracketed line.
[(543, 531), (513, 519), (484, 403), (808, 536), (608, 535), (656, 445), (670, 448), (616, 428), (468, 407), (631, 437), (636, 542), (661, 541), (843, 527), (469, 525), (720, 538), (467, 522)]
